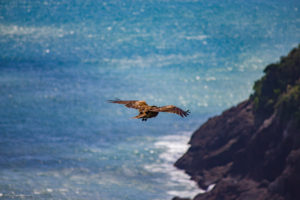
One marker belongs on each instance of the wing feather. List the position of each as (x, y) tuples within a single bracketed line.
[(130, 104), (171, 109)]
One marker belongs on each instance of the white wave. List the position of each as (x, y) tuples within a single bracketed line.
[(174, 145), (179, 183), (211, 78), (210, 187), (36, 32), (49, 190), (196, 37), (155, 60)]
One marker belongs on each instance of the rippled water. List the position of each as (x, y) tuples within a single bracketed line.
[(60, 61)]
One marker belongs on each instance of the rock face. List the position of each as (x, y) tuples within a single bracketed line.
[(252, 151)]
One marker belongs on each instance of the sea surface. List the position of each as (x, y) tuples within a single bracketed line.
[(60, 61)]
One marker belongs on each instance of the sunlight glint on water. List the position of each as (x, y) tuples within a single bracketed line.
[(60, 61)]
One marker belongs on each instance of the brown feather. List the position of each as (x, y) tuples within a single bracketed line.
[(171, 109), (130, 104)]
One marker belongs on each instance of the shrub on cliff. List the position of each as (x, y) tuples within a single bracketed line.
[(289, 104), (279, 85)]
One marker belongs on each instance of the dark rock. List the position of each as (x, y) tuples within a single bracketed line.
[(287, 184), (215, 145), (178, 198), (230, 188)]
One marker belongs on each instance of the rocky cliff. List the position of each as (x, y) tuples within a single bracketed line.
[(252, 151)]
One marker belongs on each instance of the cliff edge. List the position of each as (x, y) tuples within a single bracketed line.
[(252, 151)]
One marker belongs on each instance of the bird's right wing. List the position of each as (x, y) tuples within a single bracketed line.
[(171, 109), (130, 104)]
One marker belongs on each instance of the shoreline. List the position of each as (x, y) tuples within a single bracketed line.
[(252, 150)]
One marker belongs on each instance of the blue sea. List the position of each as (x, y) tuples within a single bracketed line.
[(60, 61)]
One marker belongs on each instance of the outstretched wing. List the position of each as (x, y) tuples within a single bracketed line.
[(130, 104), (171, 109)]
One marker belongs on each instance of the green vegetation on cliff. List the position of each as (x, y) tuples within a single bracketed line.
[(279, 88)]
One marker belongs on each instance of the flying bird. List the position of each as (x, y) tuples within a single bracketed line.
[(147, 111)]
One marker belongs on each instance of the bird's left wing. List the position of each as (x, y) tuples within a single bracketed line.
[(130, 104), (171, 109)]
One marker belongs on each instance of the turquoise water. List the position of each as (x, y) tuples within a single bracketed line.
[(60, 61)]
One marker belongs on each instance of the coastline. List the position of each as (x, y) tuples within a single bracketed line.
[(252, 150)]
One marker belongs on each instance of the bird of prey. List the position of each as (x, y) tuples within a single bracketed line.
[(147, 111)]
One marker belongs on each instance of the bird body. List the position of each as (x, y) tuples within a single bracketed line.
[(146, 111)]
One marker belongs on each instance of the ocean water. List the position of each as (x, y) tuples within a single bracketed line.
[(60, 61)]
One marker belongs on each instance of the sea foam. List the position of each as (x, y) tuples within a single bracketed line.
[(172, 147)]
